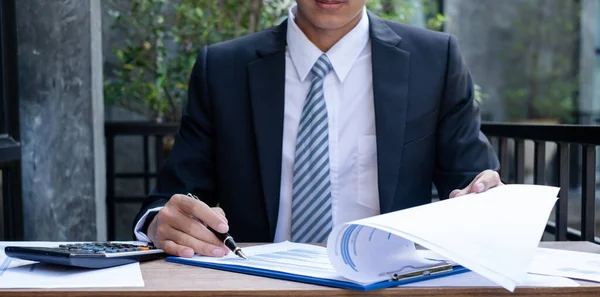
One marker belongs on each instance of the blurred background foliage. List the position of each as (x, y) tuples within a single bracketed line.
[(544, 81), (162, 37)]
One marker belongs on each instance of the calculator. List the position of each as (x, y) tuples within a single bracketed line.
[(87, 255)]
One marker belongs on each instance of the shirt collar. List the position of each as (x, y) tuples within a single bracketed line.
[(342, 55)]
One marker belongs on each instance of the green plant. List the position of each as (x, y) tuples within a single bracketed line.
[(162, 37), (404, 11), (479, 95)]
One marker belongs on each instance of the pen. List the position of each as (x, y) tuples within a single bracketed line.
[(225, 238)]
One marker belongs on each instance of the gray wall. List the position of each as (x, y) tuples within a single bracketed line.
[(589, 91), (481, 44), (60, 87), (488, 31)]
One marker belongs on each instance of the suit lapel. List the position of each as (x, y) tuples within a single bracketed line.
[(266, 77), (390, 91)]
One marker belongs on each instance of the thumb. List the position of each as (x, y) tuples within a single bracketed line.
[(457, 193)]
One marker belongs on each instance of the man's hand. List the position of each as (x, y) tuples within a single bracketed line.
[(482, 182), (176, 230)]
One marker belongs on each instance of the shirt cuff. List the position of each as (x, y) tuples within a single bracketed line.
[(137, 230)]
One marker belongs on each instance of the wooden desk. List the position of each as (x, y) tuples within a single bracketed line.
[(169, 279)]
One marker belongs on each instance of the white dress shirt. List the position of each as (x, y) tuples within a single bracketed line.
[(348, 92)]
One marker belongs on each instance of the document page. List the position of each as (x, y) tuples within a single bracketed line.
[(366, 254), (578, 265), (16, 273), (313, 261), (301, 259), (494, 233)]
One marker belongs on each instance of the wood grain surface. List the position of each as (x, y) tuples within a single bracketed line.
[(169, 279)]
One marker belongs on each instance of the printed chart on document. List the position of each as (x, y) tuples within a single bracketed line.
[(294, 259)]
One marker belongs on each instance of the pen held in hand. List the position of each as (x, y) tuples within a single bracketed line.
[(229, 242), (224, 237)]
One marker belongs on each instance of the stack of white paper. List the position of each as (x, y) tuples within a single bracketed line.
[(16, 273), (494, 234)]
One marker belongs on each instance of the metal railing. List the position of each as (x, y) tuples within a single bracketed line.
[(569, 139), (145, 130)]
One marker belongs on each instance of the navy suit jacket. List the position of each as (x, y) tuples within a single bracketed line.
[(227, 150)]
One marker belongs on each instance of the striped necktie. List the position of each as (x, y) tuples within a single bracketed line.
[(311, 196)]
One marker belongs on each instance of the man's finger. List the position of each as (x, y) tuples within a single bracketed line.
[(202, 248), (201, 211), (489, 179), (220, 212), (469, 188), (194, 228), (456, 193), (478, 186), (173, 248), (482, 182)]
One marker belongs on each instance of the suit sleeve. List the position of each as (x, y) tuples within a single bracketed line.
[(190, 165), (462, 151)]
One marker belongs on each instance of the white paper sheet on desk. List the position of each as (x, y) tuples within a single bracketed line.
[(494, 234), (472, 279), (577, 265), (16, 273)]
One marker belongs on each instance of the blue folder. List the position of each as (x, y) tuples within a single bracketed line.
[(317, 281)]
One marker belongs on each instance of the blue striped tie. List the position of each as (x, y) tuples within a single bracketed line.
[(311, 196)]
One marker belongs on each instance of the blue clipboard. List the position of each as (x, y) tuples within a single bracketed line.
[(319, 281)]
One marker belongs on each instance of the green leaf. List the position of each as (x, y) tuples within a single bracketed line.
[(161, 80), (120, 54), (199, 12)]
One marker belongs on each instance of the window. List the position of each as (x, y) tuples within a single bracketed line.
[(11, 218)]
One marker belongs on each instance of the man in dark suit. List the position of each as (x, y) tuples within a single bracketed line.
[(332, 116)]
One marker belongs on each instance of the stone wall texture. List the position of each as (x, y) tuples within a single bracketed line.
[(60, 86), (490, 33)]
